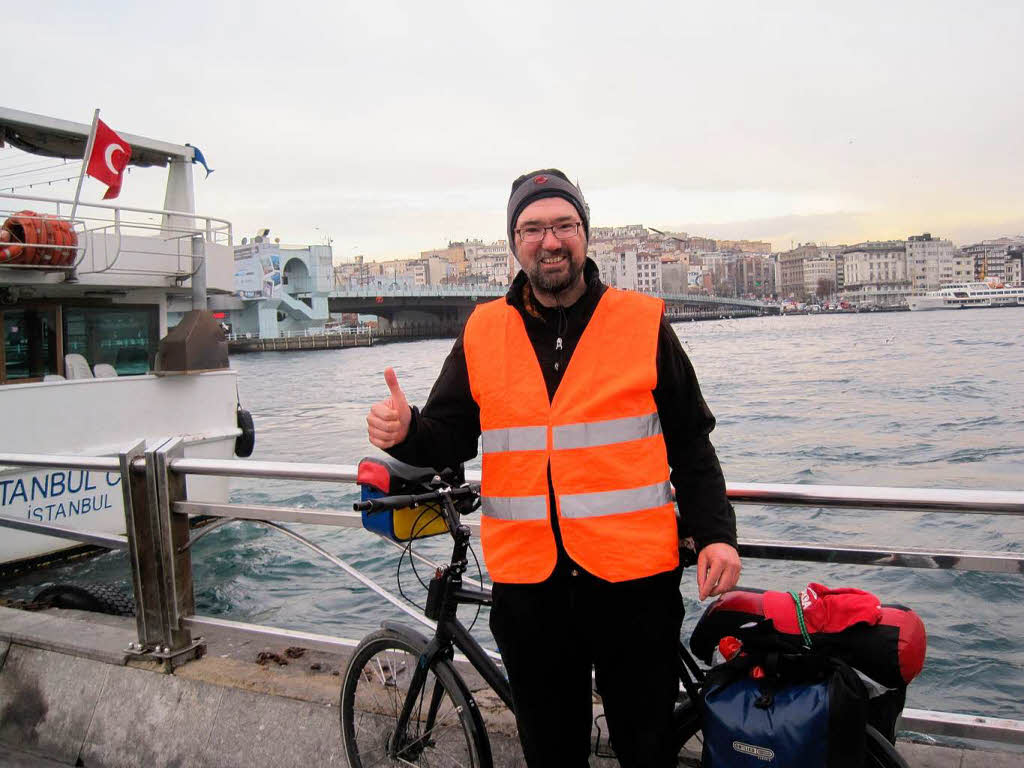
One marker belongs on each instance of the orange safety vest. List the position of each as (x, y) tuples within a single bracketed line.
[(600, 434)]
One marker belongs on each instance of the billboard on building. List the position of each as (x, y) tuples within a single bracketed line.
[(257, 271)]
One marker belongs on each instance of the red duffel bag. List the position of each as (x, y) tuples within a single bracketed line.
[(885, 642)]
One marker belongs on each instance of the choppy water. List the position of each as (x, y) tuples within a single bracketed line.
[(906, 399)]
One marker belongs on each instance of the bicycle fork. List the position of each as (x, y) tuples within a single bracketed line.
[(400, 744)]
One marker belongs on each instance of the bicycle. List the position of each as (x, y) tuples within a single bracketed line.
[(402, 700)]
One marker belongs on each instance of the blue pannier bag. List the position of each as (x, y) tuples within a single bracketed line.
[(787, 710)]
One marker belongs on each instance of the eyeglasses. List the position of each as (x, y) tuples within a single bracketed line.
[(561, 231)]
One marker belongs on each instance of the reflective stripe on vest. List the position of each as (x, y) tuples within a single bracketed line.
[(585, 435), (614, 502), (596, 433), (514, 439), (515, 507)]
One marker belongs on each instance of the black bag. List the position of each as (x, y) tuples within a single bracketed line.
[(890, 652), (777, 709)]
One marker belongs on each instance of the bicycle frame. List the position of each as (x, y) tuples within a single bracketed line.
[(446, 593)]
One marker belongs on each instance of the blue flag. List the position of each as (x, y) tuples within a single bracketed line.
[(197, 157)]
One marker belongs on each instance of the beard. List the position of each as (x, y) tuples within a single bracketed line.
[(554, 284)]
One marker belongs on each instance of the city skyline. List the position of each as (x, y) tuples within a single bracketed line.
[(387, 128)]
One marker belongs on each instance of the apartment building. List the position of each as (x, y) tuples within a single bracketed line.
[(876, 273), (792, 284), (632, 270), (989, 256), (454, 254), (489, 262), (1015, 266), (820, 276), (930, 262)]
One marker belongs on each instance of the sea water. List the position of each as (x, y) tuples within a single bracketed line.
[(927, 400)]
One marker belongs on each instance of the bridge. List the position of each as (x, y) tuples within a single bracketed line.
[(308, 294), (448, 307)]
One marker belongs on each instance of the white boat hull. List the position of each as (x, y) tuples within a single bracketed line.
[(968, 296), (103, 417)]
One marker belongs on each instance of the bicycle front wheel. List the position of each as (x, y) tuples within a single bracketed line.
[(445, 727)]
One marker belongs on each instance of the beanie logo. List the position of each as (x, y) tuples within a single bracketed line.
[(540, 180)]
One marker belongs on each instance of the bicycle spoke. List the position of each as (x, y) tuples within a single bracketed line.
[(436, 732)]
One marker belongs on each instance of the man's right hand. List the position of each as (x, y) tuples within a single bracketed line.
[(388, 421)]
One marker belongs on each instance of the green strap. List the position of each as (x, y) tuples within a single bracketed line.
[(800, 619)]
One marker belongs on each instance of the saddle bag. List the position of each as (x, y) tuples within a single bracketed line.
[(885, 643), (783, 710)]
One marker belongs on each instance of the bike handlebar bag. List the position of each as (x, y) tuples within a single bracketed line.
[(379, 477), (783, 710), (885, 642)]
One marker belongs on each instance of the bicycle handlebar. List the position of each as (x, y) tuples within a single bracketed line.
[(383, 503)]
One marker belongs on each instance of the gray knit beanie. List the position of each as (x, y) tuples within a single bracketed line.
[(548, 182)]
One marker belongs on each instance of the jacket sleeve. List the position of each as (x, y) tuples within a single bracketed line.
[(686, 422), (446, 431)]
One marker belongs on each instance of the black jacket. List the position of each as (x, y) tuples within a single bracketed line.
[(446, 432)]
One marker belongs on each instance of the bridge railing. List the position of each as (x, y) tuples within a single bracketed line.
[(159, 544), (372, 292), (474, 291)]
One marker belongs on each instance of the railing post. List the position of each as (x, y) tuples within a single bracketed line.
[(161, 564), (198, 272), (175, 557), (142, 551)]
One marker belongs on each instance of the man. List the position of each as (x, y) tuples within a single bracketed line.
[(587, 407)]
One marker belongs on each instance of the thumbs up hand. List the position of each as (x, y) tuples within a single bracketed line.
[(387, 424)]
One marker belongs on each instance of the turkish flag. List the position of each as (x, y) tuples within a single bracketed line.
[(109, 158)]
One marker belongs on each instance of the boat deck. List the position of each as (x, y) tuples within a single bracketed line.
[(69, 692)]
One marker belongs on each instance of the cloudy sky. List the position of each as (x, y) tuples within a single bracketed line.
[(393, 127)]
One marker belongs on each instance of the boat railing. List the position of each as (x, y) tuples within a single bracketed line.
[(105, 232), (159, 542)]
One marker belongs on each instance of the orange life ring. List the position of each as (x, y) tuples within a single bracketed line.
[(70, 243), (62, 240), (10, 250), (24, 228), (48, 237)]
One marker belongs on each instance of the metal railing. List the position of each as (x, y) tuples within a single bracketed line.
[(348, 330), (101, 229), (392, 290), (159, 545)]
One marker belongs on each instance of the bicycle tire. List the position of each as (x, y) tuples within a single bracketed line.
[(372, 694), (879, 751)]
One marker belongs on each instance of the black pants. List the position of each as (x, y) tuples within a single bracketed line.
[(552, 634)]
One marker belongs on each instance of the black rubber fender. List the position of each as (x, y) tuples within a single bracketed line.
[(99, 598), (246, 441)]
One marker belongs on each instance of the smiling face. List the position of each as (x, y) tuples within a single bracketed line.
[(554, 267)]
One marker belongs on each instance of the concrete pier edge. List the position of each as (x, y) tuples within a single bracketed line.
[(70, 693)]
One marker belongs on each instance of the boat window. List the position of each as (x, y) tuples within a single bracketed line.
[(124, 337), (30, 344)]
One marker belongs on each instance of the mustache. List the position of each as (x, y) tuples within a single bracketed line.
[(560, 251)]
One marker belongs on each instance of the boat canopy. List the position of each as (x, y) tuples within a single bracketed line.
[(50, 137)]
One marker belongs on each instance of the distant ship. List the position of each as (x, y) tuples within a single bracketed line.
[(967, 295)]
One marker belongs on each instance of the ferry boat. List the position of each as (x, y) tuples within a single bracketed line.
[(967, 295), (82, 315)]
